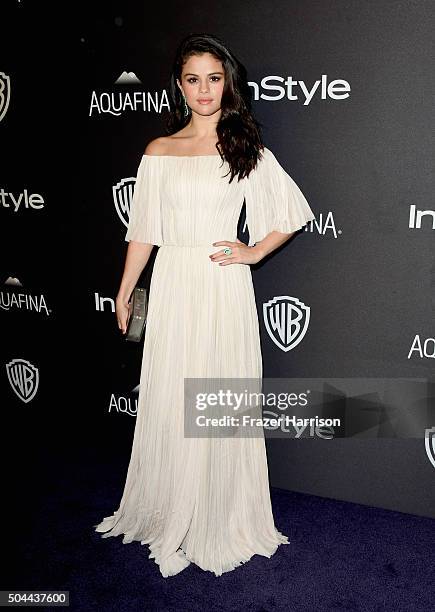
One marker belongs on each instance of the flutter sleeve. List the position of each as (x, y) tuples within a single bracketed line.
[(273, 200), (145, 218)]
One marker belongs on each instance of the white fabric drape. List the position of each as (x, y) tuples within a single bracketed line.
[(199, 500)]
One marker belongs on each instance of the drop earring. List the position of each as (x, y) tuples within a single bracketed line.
[(186, 108)]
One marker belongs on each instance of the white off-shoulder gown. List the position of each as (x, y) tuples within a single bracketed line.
[(200, 500)]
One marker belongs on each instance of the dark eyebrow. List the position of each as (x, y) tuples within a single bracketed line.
[(209, 74)]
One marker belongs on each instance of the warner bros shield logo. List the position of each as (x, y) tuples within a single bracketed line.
[(5, 94), (429, 442), (286, 319), (122, 198), (23, 378)]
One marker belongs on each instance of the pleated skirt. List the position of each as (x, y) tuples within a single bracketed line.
[(202, 500)]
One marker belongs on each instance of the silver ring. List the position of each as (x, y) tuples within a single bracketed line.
[(228, 250)]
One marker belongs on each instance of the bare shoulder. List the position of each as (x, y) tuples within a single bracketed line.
[(158, 146)]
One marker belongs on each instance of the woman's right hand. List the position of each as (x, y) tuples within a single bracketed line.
[(122, 309)]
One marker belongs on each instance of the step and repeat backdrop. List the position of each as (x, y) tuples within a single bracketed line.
[(344, 92)]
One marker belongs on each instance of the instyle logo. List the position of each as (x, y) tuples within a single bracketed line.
[(5, 94), (286, 320), (416, 216), (122, 196), (23, 378), (23, 200), (291, 89), (103, 304), (310, 430)]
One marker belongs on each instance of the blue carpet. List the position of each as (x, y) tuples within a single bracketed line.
[(341, 556)]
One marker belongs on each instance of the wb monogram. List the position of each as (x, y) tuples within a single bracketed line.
[(122, 198), (23, 378), (286, 319)]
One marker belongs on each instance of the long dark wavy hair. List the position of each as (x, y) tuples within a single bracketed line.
[(239, 133)]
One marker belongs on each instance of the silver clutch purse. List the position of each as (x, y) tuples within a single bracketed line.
[(138, 314)]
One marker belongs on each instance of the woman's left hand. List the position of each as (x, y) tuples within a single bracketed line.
[(241, 253)]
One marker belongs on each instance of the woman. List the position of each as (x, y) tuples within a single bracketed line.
[(195, 499)]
